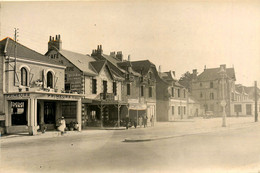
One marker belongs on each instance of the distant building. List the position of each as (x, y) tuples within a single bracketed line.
[(172, 98), (207, 89), (31, 90)]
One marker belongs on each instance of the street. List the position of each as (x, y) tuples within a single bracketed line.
[(229, 150)]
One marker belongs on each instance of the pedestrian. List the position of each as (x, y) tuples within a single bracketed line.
[(140, 121), (145, 121), (126, 122), (62, 125), (151, 120), (135, 123)]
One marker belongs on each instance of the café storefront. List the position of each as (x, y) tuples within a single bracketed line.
[(25, 111)]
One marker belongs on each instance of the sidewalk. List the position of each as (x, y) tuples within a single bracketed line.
[(198, 126)]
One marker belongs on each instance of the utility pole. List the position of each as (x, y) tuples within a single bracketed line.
[(256, 115)]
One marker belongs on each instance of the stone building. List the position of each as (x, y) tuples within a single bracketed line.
[(207, 88), (31, 89), (172, 98), (96, 79)]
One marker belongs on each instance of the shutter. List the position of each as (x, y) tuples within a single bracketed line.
[(17, 77), (44, 81), (55, 81), (30, 78)]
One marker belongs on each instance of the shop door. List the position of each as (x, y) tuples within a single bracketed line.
[(49, 112), (248, 109)]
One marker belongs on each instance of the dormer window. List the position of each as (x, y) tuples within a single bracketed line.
[(24, 77)]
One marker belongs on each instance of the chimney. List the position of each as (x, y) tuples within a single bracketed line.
[(99, 49), (119, 55), (173, 72), (55, 43), (129, 58), (205, 67), (160, 68), (113, 54), (194, 73), (223, 66)]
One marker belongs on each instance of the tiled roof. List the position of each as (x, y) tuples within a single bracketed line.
[(7, 46), (79, 60), (213, 74)]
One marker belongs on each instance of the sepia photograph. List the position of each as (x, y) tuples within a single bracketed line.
[(112, 86)]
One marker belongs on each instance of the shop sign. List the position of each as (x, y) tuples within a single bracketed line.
[(20, 95), (61, 96), (17, 104)]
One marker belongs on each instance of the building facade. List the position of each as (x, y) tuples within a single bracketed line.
[(32, 90)]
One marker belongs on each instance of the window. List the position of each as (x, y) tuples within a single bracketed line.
[(172, 92), (24, 77), (211, 96), (184, 93), (66, 78), (94, 86), (184, 110), (211, 84), (172, 110), (179, 110), (49, 80), (128, 89), (200, 84), (104, 86), (114, 88), (67, 86), (142, 91), (179, 93), (150, 91), (238, 108), (201, 95)]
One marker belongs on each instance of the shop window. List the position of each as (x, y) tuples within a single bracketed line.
[(24, 77), (49, 80), (49, 112), (150, 91), (94, 86), (128, 89), (69, 109), (115, 88), (142, 91), (18, 111), (238, 108)]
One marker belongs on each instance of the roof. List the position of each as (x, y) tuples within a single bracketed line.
[(168, 78), (142, 66), (7, 47), (79, 60), (213, 74), (98, 65)]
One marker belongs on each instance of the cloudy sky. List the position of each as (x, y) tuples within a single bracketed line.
[(177, 35)]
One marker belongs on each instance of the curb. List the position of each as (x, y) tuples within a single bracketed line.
[(181, 135)]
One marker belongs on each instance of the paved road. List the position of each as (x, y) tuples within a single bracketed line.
[(220, 151)]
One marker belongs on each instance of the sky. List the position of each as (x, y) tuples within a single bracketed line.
[(177, 35)]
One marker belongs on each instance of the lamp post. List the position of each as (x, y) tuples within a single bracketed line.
[(223, 101)]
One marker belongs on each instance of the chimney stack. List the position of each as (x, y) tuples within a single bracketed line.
[(119, 55), (54, 43), (194, 73), (129, 58), (160, 69), (223, 66), (173, 72)]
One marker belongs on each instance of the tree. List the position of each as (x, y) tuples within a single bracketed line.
[(186, 80)]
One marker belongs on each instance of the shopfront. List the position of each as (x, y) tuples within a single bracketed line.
[(25, 111)]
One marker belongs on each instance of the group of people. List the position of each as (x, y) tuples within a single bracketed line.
[(142, 120)]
